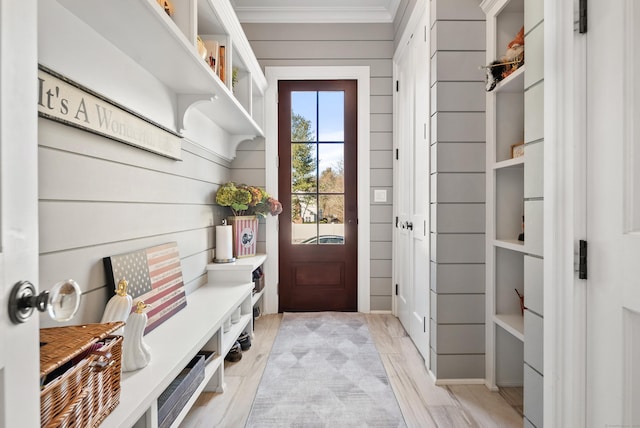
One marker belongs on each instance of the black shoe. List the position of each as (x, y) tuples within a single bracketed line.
[(245, 341), (235, 353)]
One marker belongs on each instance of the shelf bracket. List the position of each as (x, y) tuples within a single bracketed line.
[(186, 102), (235, 140)]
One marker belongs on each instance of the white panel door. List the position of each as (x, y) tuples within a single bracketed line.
[(613, 214), (19, 350), (419, 209), (411, 260), (404, 131)]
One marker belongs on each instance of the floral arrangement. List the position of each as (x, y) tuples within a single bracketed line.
[(247, 200)]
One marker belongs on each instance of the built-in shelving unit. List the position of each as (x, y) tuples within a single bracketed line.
[(514, 115), (167, 47), (239, 271), (174, 343), (505, 203)]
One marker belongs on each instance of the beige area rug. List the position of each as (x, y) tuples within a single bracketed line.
[(324, 371)]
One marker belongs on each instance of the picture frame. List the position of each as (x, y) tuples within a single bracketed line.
[(517, 150)]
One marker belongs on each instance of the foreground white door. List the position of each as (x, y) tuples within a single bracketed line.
[(19, 352), (411, 260), (613, 214)]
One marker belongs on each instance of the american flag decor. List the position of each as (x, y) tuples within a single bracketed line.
[(245, 235), (154, 276)]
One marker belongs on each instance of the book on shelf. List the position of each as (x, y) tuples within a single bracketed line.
[(222, 64), (211, 58)]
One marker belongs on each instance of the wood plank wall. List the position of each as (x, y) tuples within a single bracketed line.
[(457, 190), (340, 45), (99, 197)]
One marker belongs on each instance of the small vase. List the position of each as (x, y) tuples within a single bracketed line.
[(245, 235)]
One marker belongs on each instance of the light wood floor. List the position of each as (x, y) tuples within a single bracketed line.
[(423, 404)]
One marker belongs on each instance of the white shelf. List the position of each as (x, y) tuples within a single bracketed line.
[(145, 33), (512, 323), (510, 244), (245, 264), (256, 297), (230, 337), (173, 344), (239, 271), (510, 163), (512, 83)]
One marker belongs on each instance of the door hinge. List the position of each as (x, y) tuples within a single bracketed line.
[(396, 289), (397, 86), (424, 324), (397, 154), (278, 162), (582, 16), (582, 260)]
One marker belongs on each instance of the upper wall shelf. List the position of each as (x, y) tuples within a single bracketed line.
[(167, 48)]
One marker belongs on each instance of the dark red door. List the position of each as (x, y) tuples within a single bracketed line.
[(318, 230)]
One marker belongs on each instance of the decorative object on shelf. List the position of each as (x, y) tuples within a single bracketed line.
[(167, 6), (522, 306), (158, 279), (202, 49), (245, 235), (517, 150), (119, 306), (521, 236), (224, 243), (507, 64), (246, 203), (212, 51), (136, 354), (227, 325), (234, 79)]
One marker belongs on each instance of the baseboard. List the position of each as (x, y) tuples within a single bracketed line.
[(380, 312), (443, 382)]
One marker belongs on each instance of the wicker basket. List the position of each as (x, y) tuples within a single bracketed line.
[(80, 370)]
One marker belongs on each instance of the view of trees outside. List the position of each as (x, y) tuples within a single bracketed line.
[(317, 178)]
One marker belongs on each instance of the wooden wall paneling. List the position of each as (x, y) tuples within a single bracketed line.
[(66, 225), (85, 264)]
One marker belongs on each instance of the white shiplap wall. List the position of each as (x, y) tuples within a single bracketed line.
[(457, 190), (99, 197), (341, 45)]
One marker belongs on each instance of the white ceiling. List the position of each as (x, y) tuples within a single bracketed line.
[(307, 11)]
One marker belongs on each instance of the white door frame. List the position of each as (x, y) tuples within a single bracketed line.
[(564, 217), (362, 75)]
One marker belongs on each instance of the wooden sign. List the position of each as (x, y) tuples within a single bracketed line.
[(67, 102), (154, 276)]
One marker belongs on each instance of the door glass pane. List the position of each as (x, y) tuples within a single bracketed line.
[(304, 219), (303, 116), (303, 168), (331, 168), (331, 116), (331, 219)]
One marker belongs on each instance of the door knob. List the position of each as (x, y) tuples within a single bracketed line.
[(61, 303), (409, 225)]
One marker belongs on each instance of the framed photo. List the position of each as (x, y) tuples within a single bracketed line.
[(517, 150)]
